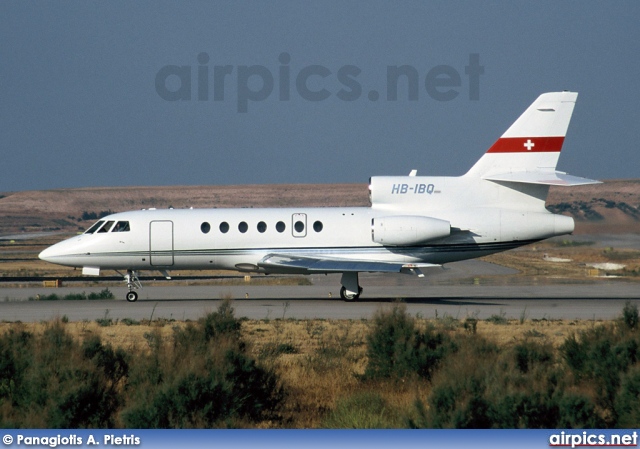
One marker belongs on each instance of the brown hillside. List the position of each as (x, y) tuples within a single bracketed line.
[(613, 206), (33, 211)]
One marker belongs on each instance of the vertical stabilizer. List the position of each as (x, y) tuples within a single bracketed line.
[(533, 142)]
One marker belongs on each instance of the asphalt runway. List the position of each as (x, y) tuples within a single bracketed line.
[(599, 300)]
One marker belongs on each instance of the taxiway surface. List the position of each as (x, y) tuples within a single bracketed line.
[(603, 300)]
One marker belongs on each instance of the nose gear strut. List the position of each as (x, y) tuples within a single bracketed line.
[(131, 278)]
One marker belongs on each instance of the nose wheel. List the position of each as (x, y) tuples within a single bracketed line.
[(131, 278)]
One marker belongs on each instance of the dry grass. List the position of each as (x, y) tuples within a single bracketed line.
[(320, 361)]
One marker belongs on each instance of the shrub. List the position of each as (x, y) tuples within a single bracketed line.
[(628, 400), (103, 294), (204, 378), (630, 316), (471, 325), (598, 358), (396, 348), (130, 322), (105, 321), (527, 354), (485, 386), (221, 322), (49, 381), (498, 319)]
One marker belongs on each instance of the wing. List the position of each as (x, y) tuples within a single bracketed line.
[(313, 264)]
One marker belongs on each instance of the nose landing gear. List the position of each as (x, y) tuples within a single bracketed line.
[(131, 278)]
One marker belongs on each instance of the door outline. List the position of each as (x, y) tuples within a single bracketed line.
[(161, 243)]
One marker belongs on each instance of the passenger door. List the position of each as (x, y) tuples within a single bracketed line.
[(161, 243)]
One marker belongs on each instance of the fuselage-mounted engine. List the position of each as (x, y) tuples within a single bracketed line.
[(406, 230)]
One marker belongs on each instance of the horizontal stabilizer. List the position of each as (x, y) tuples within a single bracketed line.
[(329, 265), (555, 178)]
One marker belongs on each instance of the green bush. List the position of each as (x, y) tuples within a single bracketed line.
[(395, 347), (517, 387), (498, 319), (204, 377), (528, 354), (48, 381), (630, 316), (51, 297), (75, 297), (210, 380), (628, 399), (103, 294), (130, 322), (598, 358)]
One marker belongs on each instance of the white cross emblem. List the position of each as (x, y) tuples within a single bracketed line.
[(529, 144)]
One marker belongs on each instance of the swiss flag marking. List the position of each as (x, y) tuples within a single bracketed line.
[(527, 145)]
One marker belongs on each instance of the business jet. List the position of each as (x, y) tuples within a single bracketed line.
[(414, 222)]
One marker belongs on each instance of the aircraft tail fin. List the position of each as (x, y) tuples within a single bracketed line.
[(528, 151)]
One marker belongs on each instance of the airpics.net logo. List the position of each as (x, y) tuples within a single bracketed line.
[(208, 80)]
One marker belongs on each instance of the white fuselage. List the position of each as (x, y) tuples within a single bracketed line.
[(180, 239)]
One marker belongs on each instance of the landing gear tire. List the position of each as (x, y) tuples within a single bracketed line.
[(348, 295), (131, 278)]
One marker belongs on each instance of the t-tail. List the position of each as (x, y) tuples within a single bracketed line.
[(528, 151), (514, 174)]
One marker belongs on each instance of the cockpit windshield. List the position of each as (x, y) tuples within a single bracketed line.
[(101, 226), (106, 227), (95, 227)]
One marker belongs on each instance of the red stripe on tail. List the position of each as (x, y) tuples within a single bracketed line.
[(527, 145)]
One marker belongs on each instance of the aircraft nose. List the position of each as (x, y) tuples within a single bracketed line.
[(48, 254), (61, 253)]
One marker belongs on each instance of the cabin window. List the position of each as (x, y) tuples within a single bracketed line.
[(299, 226), (280, 226), (95, 227), (262, 226), (106, 227), (242, 227), (121, 226), (224, 227), (205, 227), (317, 226)]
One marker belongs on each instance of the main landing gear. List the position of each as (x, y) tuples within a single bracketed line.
[(131, 278), (350, 290)]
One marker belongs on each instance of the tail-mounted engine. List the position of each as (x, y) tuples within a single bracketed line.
[(405, 230)]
